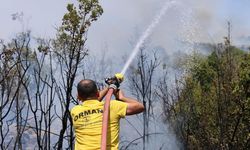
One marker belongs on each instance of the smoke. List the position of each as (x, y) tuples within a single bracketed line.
[(160, 135), (190, 21)]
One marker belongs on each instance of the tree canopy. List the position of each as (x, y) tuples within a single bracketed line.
[(211, 109)]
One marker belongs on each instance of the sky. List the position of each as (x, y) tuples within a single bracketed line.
[(123, 21)]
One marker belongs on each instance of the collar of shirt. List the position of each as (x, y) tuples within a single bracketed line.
[(91, 101)]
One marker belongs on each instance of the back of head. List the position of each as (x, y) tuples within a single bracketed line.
[(87, 89)]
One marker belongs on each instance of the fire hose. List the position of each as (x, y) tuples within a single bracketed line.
[(114, 83)]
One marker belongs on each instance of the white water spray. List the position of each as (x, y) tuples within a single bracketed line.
[(147, 32)]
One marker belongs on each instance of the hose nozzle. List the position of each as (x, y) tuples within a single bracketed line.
[(119, 77), (116, 80)]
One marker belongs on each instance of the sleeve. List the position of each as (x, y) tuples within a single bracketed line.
[(72, 114), (120, 108)]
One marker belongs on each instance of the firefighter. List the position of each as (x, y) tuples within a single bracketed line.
[(87, 116)]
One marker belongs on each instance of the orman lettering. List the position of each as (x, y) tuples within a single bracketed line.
[(87, 112)]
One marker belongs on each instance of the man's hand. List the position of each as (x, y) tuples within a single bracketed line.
[(114, 86), (114, 82)]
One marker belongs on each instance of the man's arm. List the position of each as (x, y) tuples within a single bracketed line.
[(102, 93), (134, 107)]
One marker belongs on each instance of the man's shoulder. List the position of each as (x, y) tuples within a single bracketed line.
[(118, 108), (75, 108), (116, 103)]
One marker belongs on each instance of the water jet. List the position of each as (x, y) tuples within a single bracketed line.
[(146, 34)]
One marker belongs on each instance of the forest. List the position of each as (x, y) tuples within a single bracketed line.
[(201, 101)]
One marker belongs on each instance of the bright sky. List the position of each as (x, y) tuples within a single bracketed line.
[(124, 20)]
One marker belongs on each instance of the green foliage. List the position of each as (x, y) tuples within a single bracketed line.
[(77, 21), (204, 74), (214, 103)]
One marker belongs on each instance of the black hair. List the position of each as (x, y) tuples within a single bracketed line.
[(87, 88)]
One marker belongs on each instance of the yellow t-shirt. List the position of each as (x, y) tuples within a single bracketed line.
[(87, 121)]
